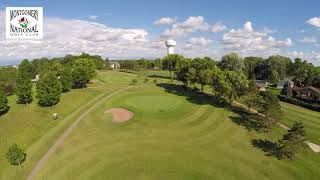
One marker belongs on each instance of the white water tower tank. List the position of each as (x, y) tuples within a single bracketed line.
[(170, 46)]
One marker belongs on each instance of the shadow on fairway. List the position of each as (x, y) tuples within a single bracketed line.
[(247, 120), (158, 76), (269, 147), (191, 95)]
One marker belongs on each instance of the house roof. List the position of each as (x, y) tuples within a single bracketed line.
[(310, 88)]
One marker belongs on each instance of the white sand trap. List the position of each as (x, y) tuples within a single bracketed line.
[(120, 115)]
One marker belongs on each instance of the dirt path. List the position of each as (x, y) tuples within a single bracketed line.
[(43, 161), (314, 147)]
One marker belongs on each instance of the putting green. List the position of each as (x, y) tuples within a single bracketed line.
[(154, 103)]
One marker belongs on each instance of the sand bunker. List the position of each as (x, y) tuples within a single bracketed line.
[(120, 115)]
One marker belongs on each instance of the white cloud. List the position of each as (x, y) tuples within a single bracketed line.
[(315, 21), (192, 24), (218, 27), (165, 21), (311, 40), (201, 41), (312, 56), (69, 36), (93, 17), (247, 41)]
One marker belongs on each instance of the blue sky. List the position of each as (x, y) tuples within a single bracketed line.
[(247, 27)]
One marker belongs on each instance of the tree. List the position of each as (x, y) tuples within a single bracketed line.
[(271, 109), (24, 89), (169, 62), (48, 90), (228, 85), (4, 108), (26, 69), (252, 97), (204, 77), (292, 142), (202, 67), (15, 155), (280, 64), (231, 62), (250, 64), (287, 90), (80, 77), (184, 72), (274, 77), (66, 80), (88, 65)]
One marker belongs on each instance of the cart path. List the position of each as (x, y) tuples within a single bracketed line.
[(314, 147), (43, 161)]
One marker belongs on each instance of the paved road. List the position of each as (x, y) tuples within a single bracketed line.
[(43, 161)]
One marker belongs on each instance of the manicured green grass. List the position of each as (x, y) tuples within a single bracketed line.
[(310, 119), (113, 77), (273, 90), (173, 135)]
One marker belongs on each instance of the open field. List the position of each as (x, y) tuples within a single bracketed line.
[(174, 134)]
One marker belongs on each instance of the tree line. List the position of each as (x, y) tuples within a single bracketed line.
[(230, 79), (51, 77)]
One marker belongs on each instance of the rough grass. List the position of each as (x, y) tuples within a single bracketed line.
[(310, 119), (33, 129), (192, 139)]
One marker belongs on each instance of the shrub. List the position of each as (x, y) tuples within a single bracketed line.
[(134, 81), (297, 102), (146, 80), (155, 81)]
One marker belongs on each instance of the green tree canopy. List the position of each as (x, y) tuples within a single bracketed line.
[(66, 79), (231, 62), (48, 90), (4, 108), (15, 155), (292, 142), (80, 77)]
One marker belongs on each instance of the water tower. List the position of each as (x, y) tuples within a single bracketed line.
[(170, 46)]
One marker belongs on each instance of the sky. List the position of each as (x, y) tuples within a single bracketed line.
[(119, 29)]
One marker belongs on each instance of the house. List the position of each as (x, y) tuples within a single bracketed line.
[(281, 84), (114, 65), (36, 79), (261, 84), (309, 93)]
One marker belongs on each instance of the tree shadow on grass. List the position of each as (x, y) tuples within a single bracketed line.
[(269, 147), (191, 95), (158, 76), (246, 119)]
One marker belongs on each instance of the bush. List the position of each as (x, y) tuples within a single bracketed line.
[(297, 102), (4, 108), (155, 81), (134, 81), (146, 80)]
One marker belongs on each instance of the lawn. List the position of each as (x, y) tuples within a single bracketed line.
[(113, 77), (311, 119), (173, 135)]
